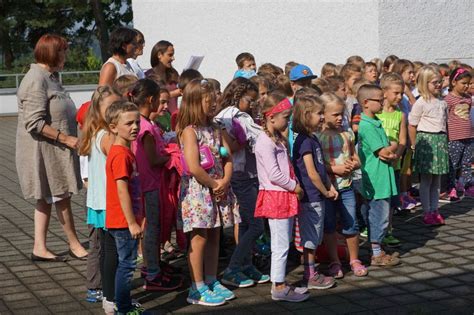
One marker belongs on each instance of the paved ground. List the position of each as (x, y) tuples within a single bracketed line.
[(436, 275)]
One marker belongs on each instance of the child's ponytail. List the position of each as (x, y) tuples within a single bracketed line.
[(142, 90), (94, 120)]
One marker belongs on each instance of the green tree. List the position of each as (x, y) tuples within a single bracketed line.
[(22, 23)]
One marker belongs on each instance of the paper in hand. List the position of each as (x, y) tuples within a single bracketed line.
[(194, 62)]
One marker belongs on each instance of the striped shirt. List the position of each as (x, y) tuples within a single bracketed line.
[(337, 149), (459, 123)]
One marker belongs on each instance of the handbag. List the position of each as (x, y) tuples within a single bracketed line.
[(206, 159)]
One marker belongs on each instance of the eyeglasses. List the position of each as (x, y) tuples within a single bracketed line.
[(380, 101)]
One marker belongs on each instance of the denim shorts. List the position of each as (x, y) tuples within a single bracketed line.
[(346, 205), (311, 221)]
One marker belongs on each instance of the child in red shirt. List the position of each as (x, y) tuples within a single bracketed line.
[(123, 213)]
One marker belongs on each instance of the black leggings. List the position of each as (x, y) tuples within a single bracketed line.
[(109, 267)]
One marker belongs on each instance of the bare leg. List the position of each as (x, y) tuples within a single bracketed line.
[(353, 246), (42, 216), (63, 209), (236, 233), (196, 254), (212, 252)]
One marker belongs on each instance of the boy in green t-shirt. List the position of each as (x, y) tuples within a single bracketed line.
[(378, 178)]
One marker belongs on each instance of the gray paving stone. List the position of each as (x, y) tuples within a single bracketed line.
[(434, 294), (397, 280), (345, 308), (460, 290), (415, 287), (14, 297), (15, 306), (424, 275), (66, 307), (403, 299), (436, 274), (443, 282), (38, 310), (414, 260)]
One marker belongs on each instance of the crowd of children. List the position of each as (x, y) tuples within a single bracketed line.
[(308, 160)]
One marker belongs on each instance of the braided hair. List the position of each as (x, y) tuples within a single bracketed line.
[(235, 90)]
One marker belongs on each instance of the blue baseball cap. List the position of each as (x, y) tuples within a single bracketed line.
[(300, 71)]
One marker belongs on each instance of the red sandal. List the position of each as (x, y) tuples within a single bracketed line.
[(358, 268)]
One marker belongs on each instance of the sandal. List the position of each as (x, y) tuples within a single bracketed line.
[(358, 268), (335, 270)]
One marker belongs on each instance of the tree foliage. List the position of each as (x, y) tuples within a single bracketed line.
[(23, 22)]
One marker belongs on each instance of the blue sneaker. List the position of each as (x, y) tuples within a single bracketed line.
[(94, 296), (255, 275), (218, 288), (204, 296), (236, 279)]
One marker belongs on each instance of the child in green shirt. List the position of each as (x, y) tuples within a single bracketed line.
[(395, 126), (378, 178)]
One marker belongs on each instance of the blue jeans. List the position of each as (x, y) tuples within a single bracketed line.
[(127, 262), (251, 228), (346, 205), (376, 213)]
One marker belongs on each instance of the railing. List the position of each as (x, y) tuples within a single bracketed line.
[(66, 78)]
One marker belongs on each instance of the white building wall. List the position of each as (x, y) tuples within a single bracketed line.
[(428, 30), (306, 31), (309, 32)]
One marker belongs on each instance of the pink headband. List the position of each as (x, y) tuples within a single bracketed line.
[(278, 108), (459, 72)]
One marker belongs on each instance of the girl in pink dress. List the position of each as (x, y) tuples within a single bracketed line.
[(278, 192)]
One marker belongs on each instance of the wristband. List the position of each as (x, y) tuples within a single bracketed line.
[(57, 137)]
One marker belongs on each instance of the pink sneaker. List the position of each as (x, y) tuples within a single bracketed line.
[(469, 193), (429, 219), (453, 195), (439, 218)]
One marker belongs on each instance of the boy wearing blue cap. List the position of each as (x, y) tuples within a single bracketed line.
[(301, 76)]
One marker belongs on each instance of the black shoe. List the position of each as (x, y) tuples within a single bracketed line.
[(399, 212), (83, 258), (53, 259)]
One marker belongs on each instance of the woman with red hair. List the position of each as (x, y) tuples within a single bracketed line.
[(46, 143)]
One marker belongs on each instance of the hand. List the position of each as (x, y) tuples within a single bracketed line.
[(71, 142), (221, 187), (354, 164), (135, 230), (342, 170), (393, 156), (299, 192), (331, 193)]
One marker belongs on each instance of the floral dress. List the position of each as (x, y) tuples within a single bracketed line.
[(198, 209)]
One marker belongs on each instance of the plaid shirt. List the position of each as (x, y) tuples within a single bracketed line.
[(337, 148)]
